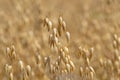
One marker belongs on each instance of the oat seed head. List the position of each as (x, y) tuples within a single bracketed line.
[(21, 65), (68, 36)]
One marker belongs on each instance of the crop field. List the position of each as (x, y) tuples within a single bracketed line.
[(59, 39)]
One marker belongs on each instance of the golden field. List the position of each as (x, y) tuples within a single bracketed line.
[(59, 39)]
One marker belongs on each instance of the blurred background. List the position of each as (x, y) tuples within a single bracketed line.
[(92, 23)]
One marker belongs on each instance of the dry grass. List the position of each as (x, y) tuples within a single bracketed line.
[(59, 40)]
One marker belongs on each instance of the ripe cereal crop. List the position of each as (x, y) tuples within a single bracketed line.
[(59, 40)]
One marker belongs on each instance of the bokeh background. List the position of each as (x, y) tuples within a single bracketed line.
[(92, 23)]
